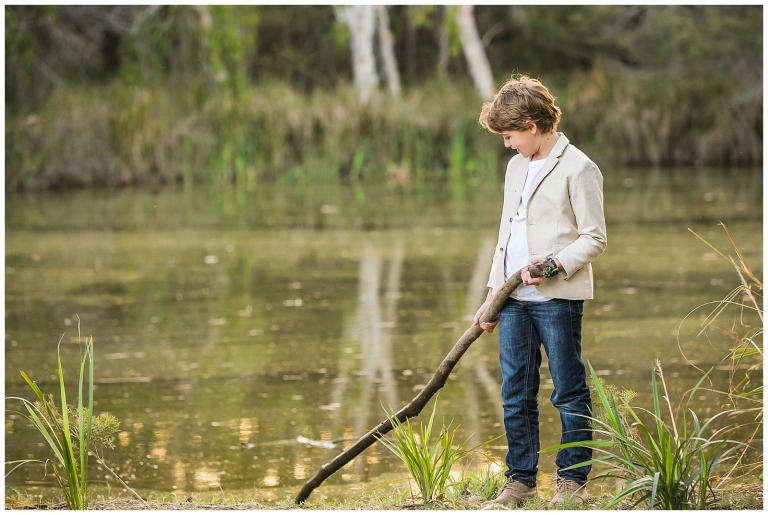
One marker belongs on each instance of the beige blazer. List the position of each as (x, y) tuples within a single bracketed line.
[(565, 219)]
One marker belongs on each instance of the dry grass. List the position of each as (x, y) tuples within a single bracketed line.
[(747, 496), (121, 134)]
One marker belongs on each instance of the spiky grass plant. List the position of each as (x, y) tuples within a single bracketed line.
[(429, 465), (670, 466), (485, 483), (57, 428), (72, 433), (745, 389)]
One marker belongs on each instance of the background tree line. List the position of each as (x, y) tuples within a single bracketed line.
[(126, 94)]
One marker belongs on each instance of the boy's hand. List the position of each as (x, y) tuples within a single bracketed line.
[(488, 327), (525, 275)]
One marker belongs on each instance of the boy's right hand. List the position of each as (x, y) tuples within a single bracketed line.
[(488, 327)]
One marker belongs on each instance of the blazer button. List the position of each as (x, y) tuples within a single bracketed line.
[(501, 249), (510, 218)]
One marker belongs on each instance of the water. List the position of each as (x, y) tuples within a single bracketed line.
[(231, 327)]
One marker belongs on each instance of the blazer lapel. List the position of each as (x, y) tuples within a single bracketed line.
[(514, 190), (552, 160)]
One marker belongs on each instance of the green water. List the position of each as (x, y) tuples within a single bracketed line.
[(230, 324)]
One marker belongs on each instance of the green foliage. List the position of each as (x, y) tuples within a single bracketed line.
[(131, 135), (231, 41), (104, 426), (58, 435), (305, 46), (451, 29), (623, 397), (671, 466), (429, 466), (21, 48), (485, 483), (422, 15), (72, 433), (112, 95), (745, 349), (202, 45)]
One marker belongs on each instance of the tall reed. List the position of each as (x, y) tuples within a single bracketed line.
[(72, 433), (671, 464), (45, 416), (745, 350), (123, 133), (429, 464)]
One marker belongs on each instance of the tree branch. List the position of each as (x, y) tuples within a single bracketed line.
[(437, 381)]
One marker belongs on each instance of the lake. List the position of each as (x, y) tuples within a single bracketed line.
[(244, 338)]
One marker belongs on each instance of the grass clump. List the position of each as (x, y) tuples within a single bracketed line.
[(58, 431), (72, 433), (623, 396), (429, 465), (745, 352), (484, 483), (671, 465)]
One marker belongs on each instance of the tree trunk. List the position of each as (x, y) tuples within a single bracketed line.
[(387, 44), (443, 44), (479, 68), (361, 21), (410, 44), (437, 381)]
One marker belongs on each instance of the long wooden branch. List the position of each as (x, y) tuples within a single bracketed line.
[(437, 381)]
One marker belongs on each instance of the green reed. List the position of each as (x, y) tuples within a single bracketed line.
[(484, 483), (429, 464), (57, 429), (125, 133), (670, 466), (745, 389), (72, 433), (670, 463)]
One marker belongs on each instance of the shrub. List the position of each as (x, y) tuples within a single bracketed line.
[(429, 466), (671, 465), (745, 353), (72, 433)]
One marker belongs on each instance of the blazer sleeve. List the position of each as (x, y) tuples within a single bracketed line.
[(585, 190)]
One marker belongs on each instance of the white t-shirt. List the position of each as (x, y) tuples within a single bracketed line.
[(516, 255)]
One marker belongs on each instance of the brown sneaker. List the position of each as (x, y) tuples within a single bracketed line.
[(569, 491), (513, 493)]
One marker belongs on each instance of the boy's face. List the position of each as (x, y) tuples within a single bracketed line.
[(526, 142)]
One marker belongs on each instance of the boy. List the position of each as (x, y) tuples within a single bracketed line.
[(553, 210)]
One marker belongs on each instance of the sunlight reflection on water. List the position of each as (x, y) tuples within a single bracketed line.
[(256, 336)]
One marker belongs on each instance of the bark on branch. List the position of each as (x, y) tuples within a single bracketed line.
[(437, 381)]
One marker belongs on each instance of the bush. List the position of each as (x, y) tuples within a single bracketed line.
[(429, 466), (72, 433)]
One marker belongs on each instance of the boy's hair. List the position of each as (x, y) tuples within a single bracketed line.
[(519, 100)]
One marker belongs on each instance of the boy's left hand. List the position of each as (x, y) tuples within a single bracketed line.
[(525, 275)]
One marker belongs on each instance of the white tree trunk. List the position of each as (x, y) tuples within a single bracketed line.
[(479, 68), (443, 42), (387, 44), (361, 21)]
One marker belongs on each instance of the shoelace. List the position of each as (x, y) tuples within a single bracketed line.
[(508, 484)]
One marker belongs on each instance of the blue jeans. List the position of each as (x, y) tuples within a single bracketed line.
[(523, 328)]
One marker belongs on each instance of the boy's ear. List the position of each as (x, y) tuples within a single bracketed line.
[(532, 127)]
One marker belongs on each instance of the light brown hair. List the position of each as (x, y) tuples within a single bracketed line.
[(519, 100)]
